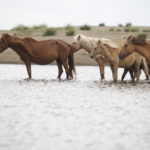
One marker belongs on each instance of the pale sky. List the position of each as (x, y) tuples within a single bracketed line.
[(75, 12)]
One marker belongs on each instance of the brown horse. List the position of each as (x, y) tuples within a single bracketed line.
[(41, 52), (135, 44), (111, 53)]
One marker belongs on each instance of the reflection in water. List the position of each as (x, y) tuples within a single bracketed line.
[(83, 113)]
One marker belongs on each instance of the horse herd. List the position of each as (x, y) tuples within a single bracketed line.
[(133, 54)]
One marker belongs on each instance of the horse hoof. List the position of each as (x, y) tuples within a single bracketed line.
[(27, 79)]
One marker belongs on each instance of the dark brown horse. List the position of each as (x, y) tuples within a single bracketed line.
[(41, 52)]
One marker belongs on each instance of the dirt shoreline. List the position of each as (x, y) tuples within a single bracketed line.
[(81, 57)]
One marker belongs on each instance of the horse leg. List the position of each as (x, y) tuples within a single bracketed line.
[(146, 71), (66, 68), (124, 73), (101, 64), (137, 73), (60, 70), (114, 69), (28, 67), (131, 74)]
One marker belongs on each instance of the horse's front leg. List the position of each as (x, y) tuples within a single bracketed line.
[(114, 69), (28, 67), (101, 64)]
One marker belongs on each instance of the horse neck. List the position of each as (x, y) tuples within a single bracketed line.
[(107, 52), (16, 47), (144, 51), (86, 44)]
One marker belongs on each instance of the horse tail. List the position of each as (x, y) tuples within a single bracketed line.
[(71, 65), (145, 68)]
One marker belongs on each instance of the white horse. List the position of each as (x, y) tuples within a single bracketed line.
[(81, 41)]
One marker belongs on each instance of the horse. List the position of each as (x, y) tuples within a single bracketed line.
[(81, 41), (111, 53), (41, 52), (135, 44)]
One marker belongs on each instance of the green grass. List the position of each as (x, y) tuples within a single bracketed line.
[(120, 25), (134, 30), (40, 27), (127, 30), (69, 27), (146, 30), (111, 29), (118, 30), (50, 32), (85, 27), (70, 32), (142, 35), (128, 24), (102, 24), (20, 28)]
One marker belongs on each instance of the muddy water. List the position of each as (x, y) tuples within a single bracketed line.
[(81, 114)]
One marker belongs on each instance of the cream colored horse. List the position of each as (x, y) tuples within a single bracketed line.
[(111, 52), (81, 41), (87, 43)]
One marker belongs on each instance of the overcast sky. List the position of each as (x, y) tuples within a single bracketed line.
[(75, 12)]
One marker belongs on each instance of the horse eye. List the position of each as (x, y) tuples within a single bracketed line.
[(73, 43), (125, 45), (94, 48)]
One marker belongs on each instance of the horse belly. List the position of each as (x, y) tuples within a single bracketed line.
[(126, 62), (44, 60)]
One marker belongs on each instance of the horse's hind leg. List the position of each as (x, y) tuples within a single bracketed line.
[(146, 70), (60, 70), (131, 74), (124, 74), (66, 68), (101, 64), (28, 66), (137, 73)]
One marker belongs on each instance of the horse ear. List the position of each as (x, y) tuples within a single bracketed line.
[(5, 35), (129, 39), (79, 37), (99, 42)]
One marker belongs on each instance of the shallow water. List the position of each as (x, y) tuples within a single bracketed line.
[(81, 114)]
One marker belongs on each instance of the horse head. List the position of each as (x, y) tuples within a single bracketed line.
[(96, 49), (4, 42), (129, 46), (76, 42)]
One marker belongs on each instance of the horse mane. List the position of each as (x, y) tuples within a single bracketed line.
[(29, 39), (137, 40), (108, 43)]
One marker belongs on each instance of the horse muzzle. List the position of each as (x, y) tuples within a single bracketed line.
[(121, 57), (91, 56)]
